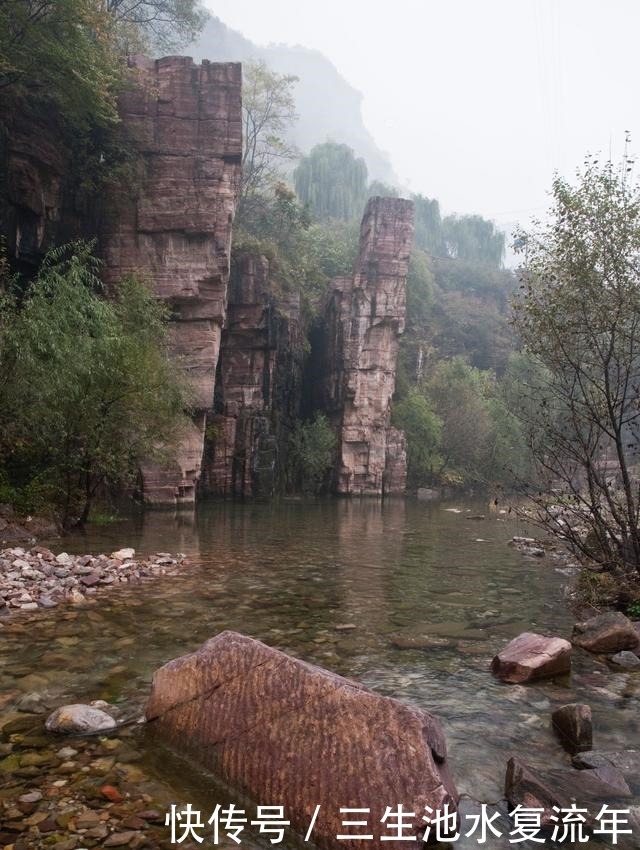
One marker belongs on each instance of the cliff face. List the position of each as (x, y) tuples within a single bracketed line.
[(365, 316), (41, 207), (185, 120), (258, 384), (241, 344)]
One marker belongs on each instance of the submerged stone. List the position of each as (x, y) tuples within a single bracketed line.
[(280, 728), (79, 719), (573, 725)]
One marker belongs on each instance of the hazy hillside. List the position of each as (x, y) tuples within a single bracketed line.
[(329, 108)]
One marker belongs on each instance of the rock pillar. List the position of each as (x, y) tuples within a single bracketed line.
[(175, 227)]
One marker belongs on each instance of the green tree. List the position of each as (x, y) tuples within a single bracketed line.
[(61, 54), (423, 430), (332, 181), (428, 226), (268, 111), (471, 237), (378, 189), (311, 453), (457, 394), (162, 24), (88, 391), (579, 320)]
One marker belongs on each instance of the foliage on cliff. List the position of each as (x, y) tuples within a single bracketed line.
[(66, 60), (304, 253), (61, 54), (87, 390)]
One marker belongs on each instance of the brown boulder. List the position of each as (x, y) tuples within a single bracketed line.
[(608, 632), (532, 788), (531, 656), (626, 761), (573, 725), (292, 734)]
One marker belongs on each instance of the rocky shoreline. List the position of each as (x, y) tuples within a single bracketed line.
[(36, 578)]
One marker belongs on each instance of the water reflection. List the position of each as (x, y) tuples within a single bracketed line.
[(289, 573)]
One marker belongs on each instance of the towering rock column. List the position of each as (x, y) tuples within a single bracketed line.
[(175, 228), (366, 315)]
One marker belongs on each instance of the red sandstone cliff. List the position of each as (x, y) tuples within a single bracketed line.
[(365, 317), (258, 384), (242, 349), (186, 122)]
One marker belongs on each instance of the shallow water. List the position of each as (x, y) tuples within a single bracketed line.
[(288, 573)]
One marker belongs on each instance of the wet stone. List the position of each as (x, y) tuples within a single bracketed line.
[(573, 726)]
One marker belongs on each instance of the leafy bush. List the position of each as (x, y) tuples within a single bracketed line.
[(88, 390), (311, 453)]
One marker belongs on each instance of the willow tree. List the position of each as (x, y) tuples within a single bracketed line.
[(332, 180), (579, 319), (472, 237), (428, 225)]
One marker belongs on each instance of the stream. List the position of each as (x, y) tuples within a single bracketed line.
[(288, 573)]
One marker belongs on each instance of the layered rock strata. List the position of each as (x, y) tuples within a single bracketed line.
[(283, 730), (365, 317), (41, 203), (185, 120), (258, 384)]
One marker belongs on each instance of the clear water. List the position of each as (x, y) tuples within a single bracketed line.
[(288, 573)]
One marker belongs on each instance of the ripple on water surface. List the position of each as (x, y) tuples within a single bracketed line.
[(289, 573)]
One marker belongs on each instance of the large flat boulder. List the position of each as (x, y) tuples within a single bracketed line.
[(291, 734), (531, 656), (608, 632)]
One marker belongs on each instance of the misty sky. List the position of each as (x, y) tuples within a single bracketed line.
[(476, 101)]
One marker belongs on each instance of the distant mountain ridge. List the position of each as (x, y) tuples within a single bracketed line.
[(329, 108)]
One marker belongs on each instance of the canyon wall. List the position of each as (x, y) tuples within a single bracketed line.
[(258, 388), (241, 341), (185, 120), (364, 318), (41, 205)]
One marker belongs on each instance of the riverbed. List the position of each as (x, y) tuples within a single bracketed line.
[(290, 573)]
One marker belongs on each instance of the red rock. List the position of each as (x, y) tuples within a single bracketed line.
[(280, 729), (573, 725), (533, 788), (531, 656), (258, 385), (186, 121), (119, 839), (364, 317), (112, 794), (608, 632)]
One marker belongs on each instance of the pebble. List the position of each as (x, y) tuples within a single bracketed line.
[(36, 578)]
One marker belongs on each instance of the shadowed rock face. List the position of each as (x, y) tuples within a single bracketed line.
[(365, 318), (185, 119), (257, 394), (291, 734)]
